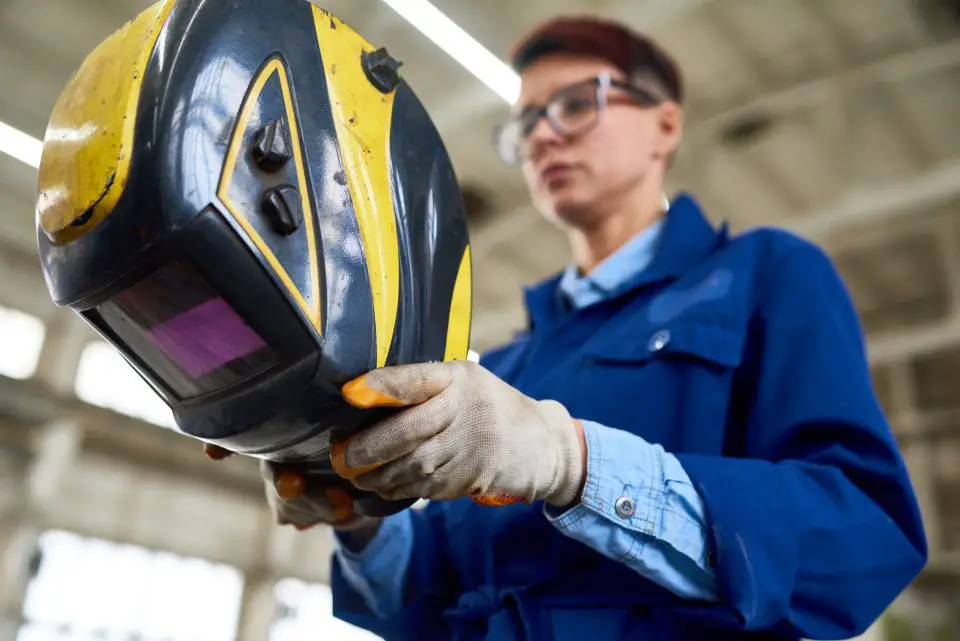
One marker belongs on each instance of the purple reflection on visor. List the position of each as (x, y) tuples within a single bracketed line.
[(202, 339)]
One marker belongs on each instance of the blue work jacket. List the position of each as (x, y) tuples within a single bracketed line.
[(743, 358)]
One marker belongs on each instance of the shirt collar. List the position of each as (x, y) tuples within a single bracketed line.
[(617, 269), (684, 239)]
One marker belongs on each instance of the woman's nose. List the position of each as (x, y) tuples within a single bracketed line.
[(540, 138)]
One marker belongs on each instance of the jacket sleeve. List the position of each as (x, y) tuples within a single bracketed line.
[(816, 530), (377, 571), (399, 587)]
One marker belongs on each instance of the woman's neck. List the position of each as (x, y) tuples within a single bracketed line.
[(590, 246)]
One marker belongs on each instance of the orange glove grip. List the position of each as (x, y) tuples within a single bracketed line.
[(359, 394), (497, 500), (338, 453)]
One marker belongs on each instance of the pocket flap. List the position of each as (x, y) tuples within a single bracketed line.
[(705, 341)]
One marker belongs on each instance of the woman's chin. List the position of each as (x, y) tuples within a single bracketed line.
[(571, 209)]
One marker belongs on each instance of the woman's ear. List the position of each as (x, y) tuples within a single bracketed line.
[(670, 122)]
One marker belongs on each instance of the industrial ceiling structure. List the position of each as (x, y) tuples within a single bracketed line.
[(836, 119)]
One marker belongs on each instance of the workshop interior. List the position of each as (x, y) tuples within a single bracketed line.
[(834, 119)]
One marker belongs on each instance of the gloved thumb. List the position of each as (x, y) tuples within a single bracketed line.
[(399, 386)]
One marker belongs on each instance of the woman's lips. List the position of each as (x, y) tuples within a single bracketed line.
[(556, 174)]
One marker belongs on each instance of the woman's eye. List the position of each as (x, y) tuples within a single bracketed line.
[(577, 105)]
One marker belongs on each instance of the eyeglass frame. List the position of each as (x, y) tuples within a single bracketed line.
[(604, 82)]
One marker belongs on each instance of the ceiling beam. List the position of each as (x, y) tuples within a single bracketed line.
[(878, 204), (903, 344), (894, 68), (27, 404)]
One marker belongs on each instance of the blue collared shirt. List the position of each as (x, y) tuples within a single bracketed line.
[(657, 527), (615, 273)]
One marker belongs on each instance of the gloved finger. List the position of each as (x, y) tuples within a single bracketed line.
[(215, 452), (399, 386), (299, 512), (289, 484), (284, 485), (341, 504), (444, 486), (295, 503), (302, 515), (409, 468), (437, 487), (391, 438)]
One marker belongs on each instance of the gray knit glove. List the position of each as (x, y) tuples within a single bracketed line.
[(462, 432)]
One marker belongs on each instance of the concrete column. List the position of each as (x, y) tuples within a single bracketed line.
[(29, 482), (258, 608), (14, 536), (60, 356), (56, 448)]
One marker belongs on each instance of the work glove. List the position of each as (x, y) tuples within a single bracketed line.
[(462, 432), (303, 500)]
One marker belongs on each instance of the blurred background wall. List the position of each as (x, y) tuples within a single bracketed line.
[(837, 119)]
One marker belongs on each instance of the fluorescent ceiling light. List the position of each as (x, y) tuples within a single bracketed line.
[(460, 46), (19, 145)]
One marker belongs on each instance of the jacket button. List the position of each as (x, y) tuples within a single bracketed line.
[(624, 507), (659, 340)]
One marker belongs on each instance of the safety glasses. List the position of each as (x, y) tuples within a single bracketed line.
[(570, 112)]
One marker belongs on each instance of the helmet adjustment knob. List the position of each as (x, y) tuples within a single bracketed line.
[(281, 206), (271, 146), (381, 68)]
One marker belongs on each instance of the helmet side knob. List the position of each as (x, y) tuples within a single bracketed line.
[(281, 206), (382, 69), (271, 146)]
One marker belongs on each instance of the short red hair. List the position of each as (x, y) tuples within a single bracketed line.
[(622, 47)]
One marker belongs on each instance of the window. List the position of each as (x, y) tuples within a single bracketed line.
[(21, 339), (104, 378), (93, 590), (306, 613)]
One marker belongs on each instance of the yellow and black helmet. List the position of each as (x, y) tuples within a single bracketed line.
[(250, 204)]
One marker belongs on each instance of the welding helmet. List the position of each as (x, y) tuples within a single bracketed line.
[(252, 206)]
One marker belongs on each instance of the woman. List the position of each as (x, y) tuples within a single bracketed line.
[(683, 444)]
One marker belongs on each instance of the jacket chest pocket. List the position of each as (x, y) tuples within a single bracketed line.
[(670, 384)]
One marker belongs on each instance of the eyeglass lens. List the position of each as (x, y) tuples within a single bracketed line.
[(569, 112)]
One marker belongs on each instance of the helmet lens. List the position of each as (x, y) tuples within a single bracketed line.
[(177, 325)]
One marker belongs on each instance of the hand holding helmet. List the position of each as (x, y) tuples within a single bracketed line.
[(463, 432), (304, 499)]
